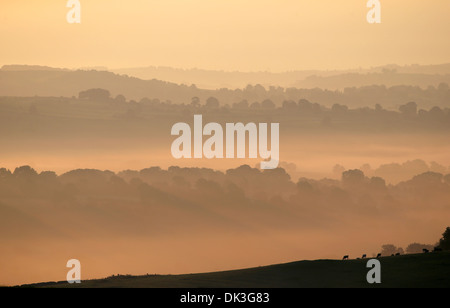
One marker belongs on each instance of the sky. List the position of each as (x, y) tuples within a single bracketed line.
[(243, 35)]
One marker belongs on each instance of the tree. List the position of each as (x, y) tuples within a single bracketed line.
[(267, 104), (444, 243), (25, 172), (409, 109), (436, 113), (120, 99), (241, 105), (339, 108), (338, 170), (145, 101), (195, 102), (378, 183), (255, 105), (415, 248), (353, 177), (4, 173), (389, 249), (289, 106), (95, 95), (305, 105), (212, 102)]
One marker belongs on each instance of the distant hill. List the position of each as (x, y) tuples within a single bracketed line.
[(361, 90), (54, 82), (21, 68), (386, 78), (408, 271), (388, 75)]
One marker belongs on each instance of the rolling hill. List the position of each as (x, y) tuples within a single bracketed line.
[(410, 271), (390, 88)]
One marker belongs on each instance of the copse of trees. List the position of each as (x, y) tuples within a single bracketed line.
[(212, 103), (268, 104), (389, 249), (134, 88), (95, 95), (409, 109), (416, 248), (120, 99), (353, 186), (320, 116), (265, 198)]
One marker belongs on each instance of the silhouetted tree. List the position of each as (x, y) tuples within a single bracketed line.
[(305, 106), (241, 105), (410, 109), (4, 173), (195, 102), (145, 101), (436, 113), (429, 180), (339, 108), (377, 183), (444, 243), (255, 105), (338, 170), (267, 104), (120, 99), (353, 177), (48, 175), (289, 106), (303, 186), (212, 102), (415, 248), (389, 249), (25, 172), (95, 95)]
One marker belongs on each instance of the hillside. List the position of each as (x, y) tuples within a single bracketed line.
[(69, 83), (412, 271), (389, 88), (388, 75)]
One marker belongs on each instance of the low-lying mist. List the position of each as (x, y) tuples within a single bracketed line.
[(185, 220)]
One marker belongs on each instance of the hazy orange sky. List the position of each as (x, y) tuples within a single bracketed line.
[(244, 35)]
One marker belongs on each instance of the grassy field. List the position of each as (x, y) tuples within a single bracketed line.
[(426, 270)]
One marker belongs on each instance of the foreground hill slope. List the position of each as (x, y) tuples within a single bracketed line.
[(413, 271)]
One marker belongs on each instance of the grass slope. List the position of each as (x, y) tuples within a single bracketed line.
[(426, 270)]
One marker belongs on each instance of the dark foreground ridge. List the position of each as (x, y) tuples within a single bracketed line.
[(416, 271)]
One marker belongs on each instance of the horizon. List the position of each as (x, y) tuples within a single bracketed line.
[(114, 70)]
